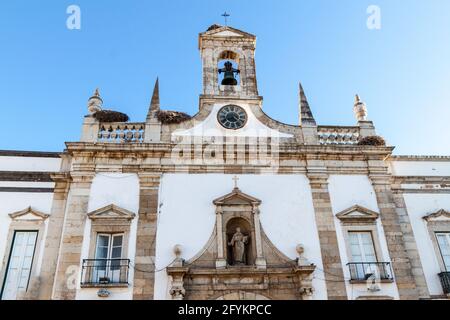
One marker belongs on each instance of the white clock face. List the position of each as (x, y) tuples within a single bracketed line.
[(232, 117)]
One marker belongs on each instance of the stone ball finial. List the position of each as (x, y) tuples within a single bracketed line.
[(95, 102), (360, 109), (177, 250), (300, 249)]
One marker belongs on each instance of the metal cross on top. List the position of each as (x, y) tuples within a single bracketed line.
[(226, 15), (236, 179)]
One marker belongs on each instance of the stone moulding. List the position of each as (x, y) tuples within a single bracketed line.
[(29, 211), (441, 214), (357, 214), (236, 193), (111, 212), (199, 281)]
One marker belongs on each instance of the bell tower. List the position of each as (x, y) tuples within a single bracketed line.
[(228, 57)]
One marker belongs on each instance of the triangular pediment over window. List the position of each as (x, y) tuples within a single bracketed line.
[(441, 215), (236, 197), (357, 214), (29, 214), (111, 212)]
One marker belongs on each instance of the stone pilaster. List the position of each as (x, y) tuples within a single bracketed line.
[(411, 245), (54, 233), (89, 132), (331, 259), (144, 276), (68, 268), (395, 238)]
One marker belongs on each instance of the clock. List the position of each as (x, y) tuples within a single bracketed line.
[(232, 117)]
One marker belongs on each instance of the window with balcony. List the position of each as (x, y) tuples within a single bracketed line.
[(108, 263), (108, 267), (364, 264), (360, 230)]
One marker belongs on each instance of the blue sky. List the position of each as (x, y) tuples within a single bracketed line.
[(402, 71)]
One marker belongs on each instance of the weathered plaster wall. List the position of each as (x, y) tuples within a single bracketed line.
[(30, 164), (420, 168)]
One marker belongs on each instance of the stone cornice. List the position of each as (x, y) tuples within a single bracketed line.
[(89, 149), (421, 179), (25, 176), (31, 154), (419, 158)]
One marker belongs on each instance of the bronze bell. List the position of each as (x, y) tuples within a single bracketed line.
[(229, 71)]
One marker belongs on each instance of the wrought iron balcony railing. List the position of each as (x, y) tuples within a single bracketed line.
[(362, 271), (105, 272), (445, 281)]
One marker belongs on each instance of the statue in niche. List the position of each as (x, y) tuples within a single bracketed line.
[(238, 243)]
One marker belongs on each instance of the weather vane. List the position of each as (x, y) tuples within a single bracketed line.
[(226, 15)]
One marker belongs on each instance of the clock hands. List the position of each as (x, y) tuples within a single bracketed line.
[(232, 117)]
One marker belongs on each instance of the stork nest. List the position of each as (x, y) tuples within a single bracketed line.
[(213, 27), (111, 116), (376, 141), (172, 117)]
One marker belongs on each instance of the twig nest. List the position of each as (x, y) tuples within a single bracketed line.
[(376, 141), (172, 117), (110, 116)]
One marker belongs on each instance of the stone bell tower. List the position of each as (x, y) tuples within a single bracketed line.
[(229, 53)]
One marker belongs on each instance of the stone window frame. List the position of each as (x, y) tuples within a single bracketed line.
[(361, 219), (36, 223), (438, 222), (112, 220)]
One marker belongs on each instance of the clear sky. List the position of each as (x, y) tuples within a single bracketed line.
[(402, 71)]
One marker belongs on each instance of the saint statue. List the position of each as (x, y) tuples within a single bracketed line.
[(238, 242)]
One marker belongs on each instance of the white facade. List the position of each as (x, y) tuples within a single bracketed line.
[(328, 213)]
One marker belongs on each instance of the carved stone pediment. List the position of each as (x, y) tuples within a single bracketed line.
[(111, 212), (226, 31), (29, 214), (237, 197), (441, 215), (357, 214)]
